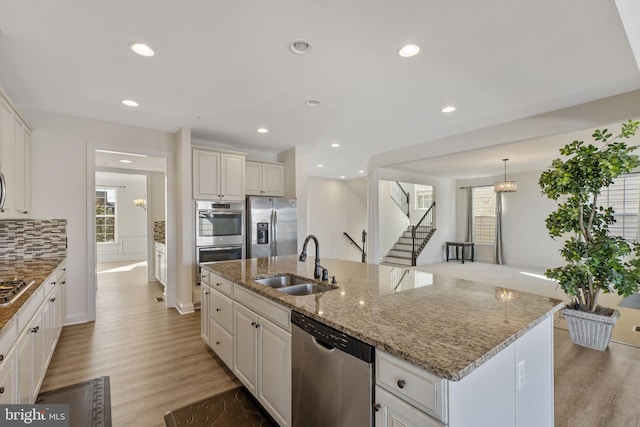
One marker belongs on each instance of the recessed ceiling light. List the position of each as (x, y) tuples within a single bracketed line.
[(342, 177), (409, 50), (125, 161), (130, 103), (449, 109), (120, 152), (313, 102), (141, 49), (335, 145), (320, 166), (300, 47), (360, 171), (262, 130)]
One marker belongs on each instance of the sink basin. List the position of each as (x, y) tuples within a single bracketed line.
[(305, 289), (281, 281), (293, 285)]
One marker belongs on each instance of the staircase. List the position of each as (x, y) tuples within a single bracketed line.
[(413, 240), (401, 253)]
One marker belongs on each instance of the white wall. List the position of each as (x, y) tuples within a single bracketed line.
[(336, 207), (59, 185), (131, 221), (524, 235)]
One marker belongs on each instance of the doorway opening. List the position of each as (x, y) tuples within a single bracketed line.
[(129, 220)]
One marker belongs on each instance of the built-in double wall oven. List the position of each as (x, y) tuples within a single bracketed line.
[(219, 231)]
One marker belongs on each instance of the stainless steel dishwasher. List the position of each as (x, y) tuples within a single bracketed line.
[(332, 376)]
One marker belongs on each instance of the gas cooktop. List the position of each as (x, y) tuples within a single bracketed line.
[(10, 290)]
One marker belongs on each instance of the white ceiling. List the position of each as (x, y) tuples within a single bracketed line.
[(224, 68)]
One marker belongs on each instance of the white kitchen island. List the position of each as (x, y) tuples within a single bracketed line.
[(449, 352)]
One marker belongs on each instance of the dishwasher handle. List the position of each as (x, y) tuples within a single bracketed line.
[(323, 345)]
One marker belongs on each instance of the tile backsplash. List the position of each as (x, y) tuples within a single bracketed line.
[(158, 231), (33, 238)]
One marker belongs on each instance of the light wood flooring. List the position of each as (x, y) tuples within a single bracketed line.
[(157, 362), (154, 357)]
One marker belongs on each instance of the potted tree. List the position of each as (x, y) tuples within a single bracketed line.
[(596, 261)]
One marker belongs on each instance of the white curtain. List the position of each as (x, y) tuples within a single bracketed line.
[(499, 255)]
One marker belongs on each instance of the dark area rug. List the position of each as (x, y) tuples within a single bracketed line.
[(89, 402), (233, 408), (632, 301)]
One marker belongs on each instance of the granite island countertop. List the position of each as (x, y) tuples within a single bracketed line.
[(37, 269), (445, 325)]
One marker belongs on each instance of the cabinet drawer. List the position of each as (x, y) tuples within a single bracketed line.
[(221, 284), (8, 379), (221, 343), (395, 412), (221, 310), (7, 340), (417, 386), (29, 308), (265, 308), (204, 276)]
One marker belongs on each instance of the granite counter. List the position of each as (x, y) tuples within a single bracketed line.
[(37, 269), (445, 325)]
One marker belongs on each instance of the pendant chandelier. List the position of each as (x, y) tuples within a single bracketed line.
[(505, 186)]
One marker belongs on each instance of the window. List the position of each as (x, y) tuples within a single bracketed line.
[(424, 196), (105, 214), (484, 215), (623, 195)]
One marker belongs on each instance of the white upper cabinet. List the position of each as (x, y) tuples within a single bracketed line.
[(15, 160), (264, 179), (218, 176)]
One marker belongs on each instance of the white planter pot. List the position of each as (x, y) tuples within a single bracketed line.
[(590, 329)]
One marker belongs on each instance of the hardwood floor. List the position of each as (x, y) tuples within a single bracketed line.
[(157, 362), (154, 357)]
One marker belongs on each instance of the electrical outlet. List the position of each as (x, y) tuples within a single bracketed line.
[(521, 375)]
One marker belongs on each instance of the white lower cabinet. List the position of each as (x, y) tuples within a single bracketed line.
[(37, 329), (394, 412), (263, 362), (512, 388), (252, 336), (8, 389)]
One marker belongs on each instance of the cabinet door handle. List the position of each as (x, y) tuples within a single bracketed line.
[(217, 342), (1, 357), (206, 293), (35, 330), (402, 383), (1, 390), (253, 324), (64, 282), (53, 299), (218, 284), (377, 407), (218, 309), (257, 325)]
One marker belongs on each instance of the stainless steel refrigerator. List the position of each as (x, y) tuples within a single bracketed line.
[(272, 226)]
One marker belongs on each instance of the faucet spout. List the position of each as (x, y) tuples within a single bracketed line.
[(318, 270)]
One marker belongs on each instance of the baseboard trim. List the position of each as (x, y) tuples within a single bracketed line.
[(185, 308)]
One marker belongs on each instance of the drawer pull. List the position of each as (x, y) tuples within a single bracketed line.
[(377, 407), (253, 324), (35, 330), (218, 309), (1, 357), (218, 284), (53, 299), (206, 292), (217, 342), (402, 383), (1, 390), (257, 325)]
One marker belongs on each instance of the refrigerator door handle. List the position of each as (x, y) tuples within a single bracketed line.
[(275, 232), (3, 190)]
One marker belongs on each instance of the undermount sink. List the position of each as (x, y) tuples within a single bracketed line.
[(281, 281), (305, 289), (293, 285)]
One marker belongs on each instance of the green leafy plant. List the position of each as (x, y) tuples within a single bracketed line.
[(596, 260)]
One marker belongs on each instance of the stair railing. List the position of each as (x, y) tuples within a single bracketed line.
[(361, 249), (422, 232), (397, 275), (401, 197)]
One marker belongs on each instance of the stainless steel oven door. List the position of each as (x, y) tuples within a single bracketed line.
[(219, 224), (219, 253)]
